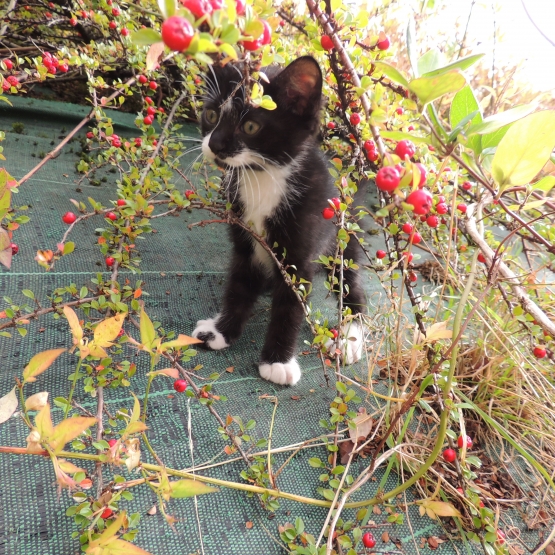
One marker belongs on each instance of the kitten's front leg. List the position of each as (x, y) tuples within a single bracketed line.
[(244, 284), (279, 364)]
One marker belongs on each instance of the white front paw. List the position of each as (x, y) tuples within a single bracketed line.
[(283, 373), (206, 331), (350, 342)]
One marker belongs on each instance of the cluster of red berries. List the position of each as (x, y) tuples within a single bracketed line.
[(262, 40), (52, 64), (370, 148), (328, 212), (449, 455)]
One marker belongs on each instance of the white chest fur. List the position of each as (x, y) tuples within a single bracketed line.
[(261, 192)]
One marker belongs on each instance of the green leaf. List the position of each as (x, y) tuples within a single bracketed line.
[(465, 103), (148, 333), (462, 64), (525, 149), (145, 37), (545, 184), (167, 7), (497, 121), (329, 494), (430, 61), (190, 488), (400, 135), (28, 293), (69, 247), (392, 72), (315, 462), (428, 89)]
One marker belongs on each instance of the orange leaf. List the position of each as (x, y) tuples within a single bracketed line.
[(137, 293), (39, 363), (69, 429), (101, 240)]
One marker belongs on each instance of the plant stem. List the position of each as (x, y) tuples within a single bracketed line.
[(147, 390)]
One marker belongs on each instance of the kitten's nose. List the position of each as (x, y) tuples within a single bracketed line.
[(218, 143)]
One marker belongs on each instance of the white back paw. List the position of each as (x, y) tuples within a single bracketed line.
[(350, 342), (283, 373), (206, 331)]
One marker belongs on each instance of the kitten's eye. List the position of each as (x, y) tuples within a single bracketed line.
[(211, 116), (251, 127)]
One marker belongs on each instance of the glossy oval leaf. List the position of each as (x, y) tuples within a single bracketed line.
[(392, 72), (39, 363), (525, 149), (145, 37), (431, 60), (190, 488), (497, 121), (428, 89), (464, 104), (462, 64)]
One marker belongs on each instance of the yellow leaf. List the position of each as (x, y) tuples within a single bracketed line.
[(95, 350), (181, 341), (136, 427), (170, 372), (69, 429), (148, 333), (134, 453), (136, 409), (75, 326), (121, 547), (36, 401), (69, 467), (439, 508), (108, 535), (108, 330), (43, 422), (434, 333), (190, 488), (39, 363)]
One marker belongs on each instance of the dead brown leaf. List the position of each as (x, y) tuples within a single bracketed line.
[(432, 542), (248, 525), (376, 510), (364, 423), (230, 369), (296, 397), (152, 510), (385, 537)]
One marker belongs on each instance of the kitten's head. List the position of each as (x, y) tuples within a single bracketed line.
[(238, 134)]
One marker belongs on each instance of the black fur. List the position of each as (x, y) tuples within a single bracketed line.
[(297, 226)]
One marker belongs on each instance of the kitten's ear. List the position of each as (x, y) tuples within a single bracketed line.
[(300, 86)]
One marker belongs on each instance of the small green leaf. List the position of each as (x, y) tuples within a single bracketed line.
[(428, 89), (28, 293), (392, 72), (148, 333), (545, 184), (167, 8), (315, 462), (465, 103), (69, 247), (524, 150), (145, 37), (190, 488), (329, 494)]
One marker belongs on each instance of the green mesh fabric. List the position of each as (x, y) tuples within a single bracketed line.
[(184, 274)]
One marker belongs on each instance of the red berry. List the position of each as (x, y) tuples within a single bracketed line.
[(481, 258), (112, 24), (461, 207), (405, 148), (461, 442), (407, 228), (331, 125), (355, 118), (441, 208), (90, 135), (336, 202), (154, 142), (328, 213), (387, 179), (399, 111), (116, 143), (252, 45), (8, 63), (372, 155), (383, 44), (267, 34), (241, 6), (369, 145), (461, 491), (112, 442), (326, 42), (73, 22), (6, 86), (48, 15), (116, 12), (422, 169), (381, 254), (334, 333), (15, 248), (63, 67), (409, 256), (13, 80), (153, 85), (189, 193), (501, 536), (161, 110), (121, 202), (125, 32), (112, 216), (413, 277), (69, 217), (138, 141), (197, 7), (142, 79), (481, 504), (106, 513), (148, 120), (415, 238), (368, 540), (151, 111), (539, 352), (110, 261), (177, 33), (421, 199), (449, 455), (467, 185), (411, 128), (432, 221), (180, 385)]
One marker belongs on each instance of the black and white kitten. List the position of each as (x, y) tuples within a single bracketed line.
[(278, 183)]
